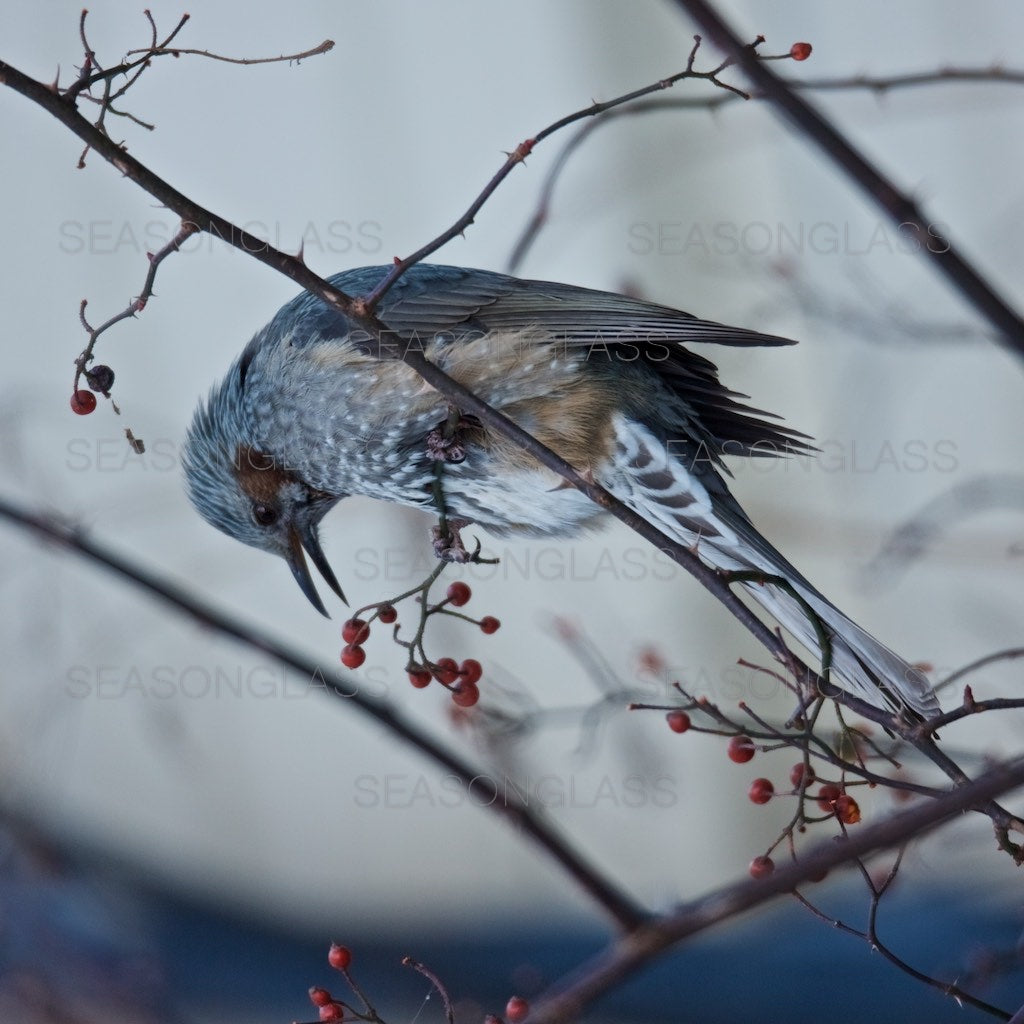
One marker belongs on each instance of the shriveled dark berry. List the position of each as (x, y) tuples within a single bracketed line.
[(100, 378)]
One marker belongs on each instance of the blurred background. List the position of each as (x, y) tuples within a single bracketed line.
[(186, 825)]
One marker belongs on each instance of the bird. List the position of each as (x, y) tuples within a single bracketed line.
[(311, 413)]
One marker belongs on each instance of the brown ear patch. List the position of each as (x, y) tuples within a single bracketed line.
[(259, 475)]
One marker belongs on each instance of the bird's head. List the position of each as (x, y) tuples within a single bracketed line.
[(240, 486)]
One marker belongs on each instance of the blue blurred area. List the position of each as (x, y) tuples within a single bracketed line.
[(85, 939)]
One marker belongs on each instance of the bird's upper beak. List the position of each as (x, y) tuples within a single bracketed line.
[(303, 538)]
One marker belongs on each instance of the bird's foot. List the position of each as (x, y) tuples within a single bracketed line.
[(448, 543), (449, 546), (448, 442)]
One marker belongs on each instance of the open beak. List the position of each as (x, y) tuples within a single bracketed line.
[(303, 541)]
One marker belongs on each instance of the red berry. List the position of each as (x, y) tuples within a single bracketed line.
[(827, 797), (800, 51), (332, 1011), (355, 631), (466, 695), (339, 957), (761, 867), (489, 624), (797, 776), (459, 593), (470, 671), (387, 614), (741, 749), (419, 676), (320, 996), (352, 656), (678, 721), (761, 791), (847, 810), (83, 402), (446, 671), (516, 1009)]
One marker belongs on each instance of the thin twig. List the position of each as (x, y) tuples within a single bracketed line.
[(177, 51), (449, 1012), (136, 305), (947, 988), (1010, 654)]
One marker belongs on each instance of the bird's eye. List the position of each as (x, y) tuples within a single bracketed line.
[(265, 515)]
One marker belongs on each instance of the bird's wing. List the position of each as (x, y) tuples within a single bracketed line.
[(432, 299), (463, 303)]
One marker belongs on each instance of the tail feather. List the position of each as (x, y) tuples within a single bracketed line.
[(697, 509), (860, 663)]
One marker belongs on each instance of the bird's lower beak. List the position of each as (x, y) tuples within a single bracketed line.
[(304, 540)]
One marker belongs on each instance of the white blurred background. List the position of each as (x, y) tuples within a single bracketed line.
[(212, 771)]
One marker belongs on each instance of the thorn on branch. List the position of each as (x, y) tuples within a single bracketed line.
[(523, 150)]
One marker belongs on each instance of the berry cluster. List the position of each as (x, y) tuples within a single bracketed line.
[(831, 798), (333, 1009), (460, 679), (339, 957), (100, 379)]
